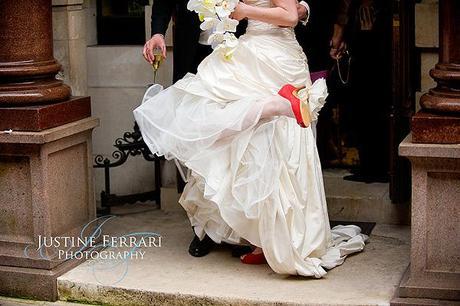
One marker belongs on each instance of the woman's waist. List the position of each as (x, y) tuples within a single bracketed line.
[(270, 38), (259, 27)]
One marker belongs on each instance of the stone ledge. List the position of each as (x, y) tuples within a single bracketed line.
[(33, 283), (409, 149), (420, 302), (439, 289), (435, 128), (66, 2), (49, 135), (36, 118)]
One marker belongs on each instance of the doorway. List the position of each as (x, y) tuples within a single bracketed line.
[(372, 96)]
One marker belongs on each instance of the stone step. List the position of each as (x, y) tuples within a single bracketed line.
[(355, 201), (346, 201), (170, 276)]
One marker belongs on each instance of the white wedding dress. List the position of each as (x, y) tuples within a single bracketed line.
[(251, 180)]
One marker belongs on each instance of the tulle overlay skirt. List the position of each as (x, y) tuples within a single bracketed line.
[(251, 180)]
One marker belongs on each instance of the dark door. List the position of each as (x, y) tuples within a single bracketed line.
[(403, 102), (396, 83)]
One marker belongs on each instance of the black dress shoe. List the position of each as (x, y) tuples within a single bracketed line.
[(240, 250), (199, 248)]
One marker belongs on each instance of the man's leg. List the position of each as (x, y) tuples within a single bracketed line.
[(197, 248), (371, 116)]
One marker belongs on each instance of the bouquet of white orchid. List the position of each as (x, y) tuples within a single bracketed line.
[(215, 17)]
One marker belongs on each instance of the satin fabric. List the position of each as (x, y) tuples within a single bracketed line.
[(251, 180)]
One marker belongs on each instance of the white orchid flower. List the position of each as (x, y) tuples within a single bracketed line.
[(226, 52), (228, 46), (209, 23), (210, 4), (227, 25), (226, 7), (215, 39), (230, 40), (195, 5), (214, 15), (205, 8), (192, 5)]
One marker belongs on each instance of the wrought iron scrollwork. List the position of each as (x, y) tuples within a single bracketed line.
[(131, 144)]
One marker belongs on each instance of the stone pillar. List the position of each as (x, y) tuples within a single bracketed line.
[(434, 271), (433, 277), (27, 66), (439, 118), (31, 98), (69, 34), (46, 181)]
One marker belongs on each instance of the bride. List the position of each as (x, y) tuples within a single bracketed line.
[(242, 128)]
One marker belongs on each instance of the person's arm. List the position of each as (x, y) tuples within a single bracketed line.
[(303, 10), (343, 12), (284, 13), (338, 45), (162, 11)]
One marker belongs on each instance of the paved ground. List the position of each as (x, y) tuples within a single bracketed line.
[(168, 275), (6, 301)]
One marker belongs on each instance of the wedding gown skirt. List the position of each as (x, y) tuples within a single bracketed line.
[(251, 180)]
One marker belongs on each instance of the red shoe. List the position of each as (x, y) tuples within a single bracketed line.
[(300, 108), (253, 259)]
